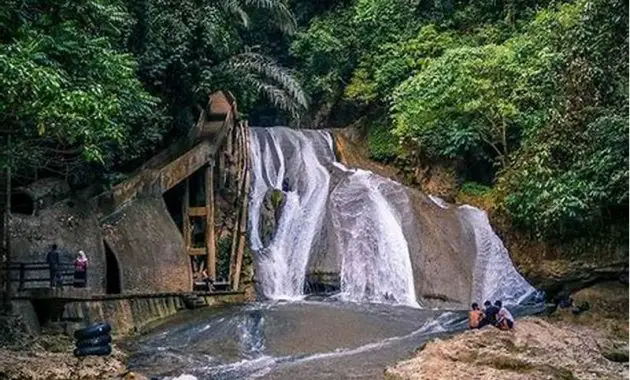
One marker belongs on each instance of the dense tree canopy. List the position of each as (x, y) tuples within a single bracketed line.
[(537, 90), (92, 86), (531, 95)]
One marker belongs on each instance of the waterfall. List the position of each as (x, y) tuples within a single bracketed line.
[(376, 266), (495, 277), (371, 231), (278, 155)]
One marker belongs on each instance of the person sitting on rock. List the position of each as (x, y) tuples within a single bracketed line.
[(505, 320), (490, 315), (475, 316)]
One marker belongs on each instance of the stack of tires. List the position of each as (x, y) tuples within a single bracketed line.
[(93, 340)]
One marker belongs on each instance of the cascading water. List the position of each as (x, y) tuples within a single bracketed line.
[(495, 278), (281, 155), (388, 244), (375, 264), (372, 219)]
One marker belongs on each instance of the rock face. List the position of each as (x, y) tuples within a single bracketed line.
[(270, 213), (453, 256), (535, 349)]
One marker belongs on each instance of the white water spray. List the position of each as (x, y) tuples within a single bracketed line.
[(280, 154), (376, 266), (367, 213), (495, 277)]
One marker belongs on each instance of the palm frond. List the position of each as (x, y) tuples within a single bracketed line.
[(275, 95), (235, 8), (247, 63), (279, 10)]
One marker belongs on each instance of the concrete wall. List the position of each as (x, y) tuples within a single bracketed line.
[(70, 224), (125, 315), (149, 248)]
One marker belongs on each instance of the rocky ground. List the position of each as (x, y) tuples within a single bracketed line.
[(49, 357), (593, 345)]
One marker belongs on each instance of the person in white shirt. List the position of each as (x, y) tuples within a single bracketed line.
[(505, 320)]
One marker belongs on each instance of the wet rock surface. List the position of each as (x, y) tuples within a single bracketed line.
[(535, 349), (270, 213)]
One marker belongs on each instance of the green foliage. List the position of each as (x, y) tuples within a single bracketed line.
[(326, 51), (188, 49), (378, 74), (570, 189), (472, 98), (69, 95), (91, 86), (571, 176), (475, 189), (539, 90), (383, 145)]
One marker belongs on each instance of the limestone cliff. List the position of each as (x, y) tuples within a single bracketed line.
[(553, 267)]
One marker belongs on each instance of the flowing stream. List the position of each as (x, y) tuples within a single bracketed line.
[(366, 230)]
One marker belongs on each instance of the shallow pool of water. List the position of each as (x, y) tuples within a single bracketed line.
[(316, 339)]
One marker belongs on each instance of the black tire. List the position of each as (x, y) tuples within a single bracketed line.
[(92, 331), (94, 350), (100, 340)]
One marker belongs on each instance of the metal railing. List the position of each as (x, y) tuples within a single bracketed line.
[(35, 271)]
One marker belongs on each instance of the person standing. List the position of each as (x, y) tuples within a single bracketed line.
[(80, 270), (52, 258)]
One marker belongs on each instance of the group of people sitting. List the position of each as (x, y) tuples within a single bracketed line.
[(496, 315)]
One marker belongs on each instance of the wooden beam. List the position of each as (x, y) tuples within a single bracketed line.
[(243, 222), (211, 245), (198, 211), (186, 229), (185, 165), (235, 229)]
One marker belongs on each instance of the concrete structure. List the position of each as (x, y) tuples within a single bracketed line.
[(136, 243)]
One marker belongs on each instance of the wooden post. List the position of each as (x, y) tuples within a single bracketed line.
[(221, 170), (211, 246), (235, 231), (185, 215), (243, 223)]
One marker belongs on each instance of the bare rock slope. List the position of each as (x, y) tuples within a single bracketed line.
[(535, 349)]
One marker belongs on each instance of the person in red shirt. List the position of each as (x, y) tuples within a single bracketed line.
[(80, 270)]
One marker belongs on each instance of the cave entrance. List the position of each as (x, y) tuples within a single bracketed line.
[(112, 272), (22, 203)]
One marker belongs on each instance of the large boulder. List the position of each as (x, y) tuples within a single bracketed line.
[(535, 349), (270, 213)]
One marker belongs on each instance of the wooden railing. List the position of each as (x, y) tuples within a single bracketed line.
[(28, 272)]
